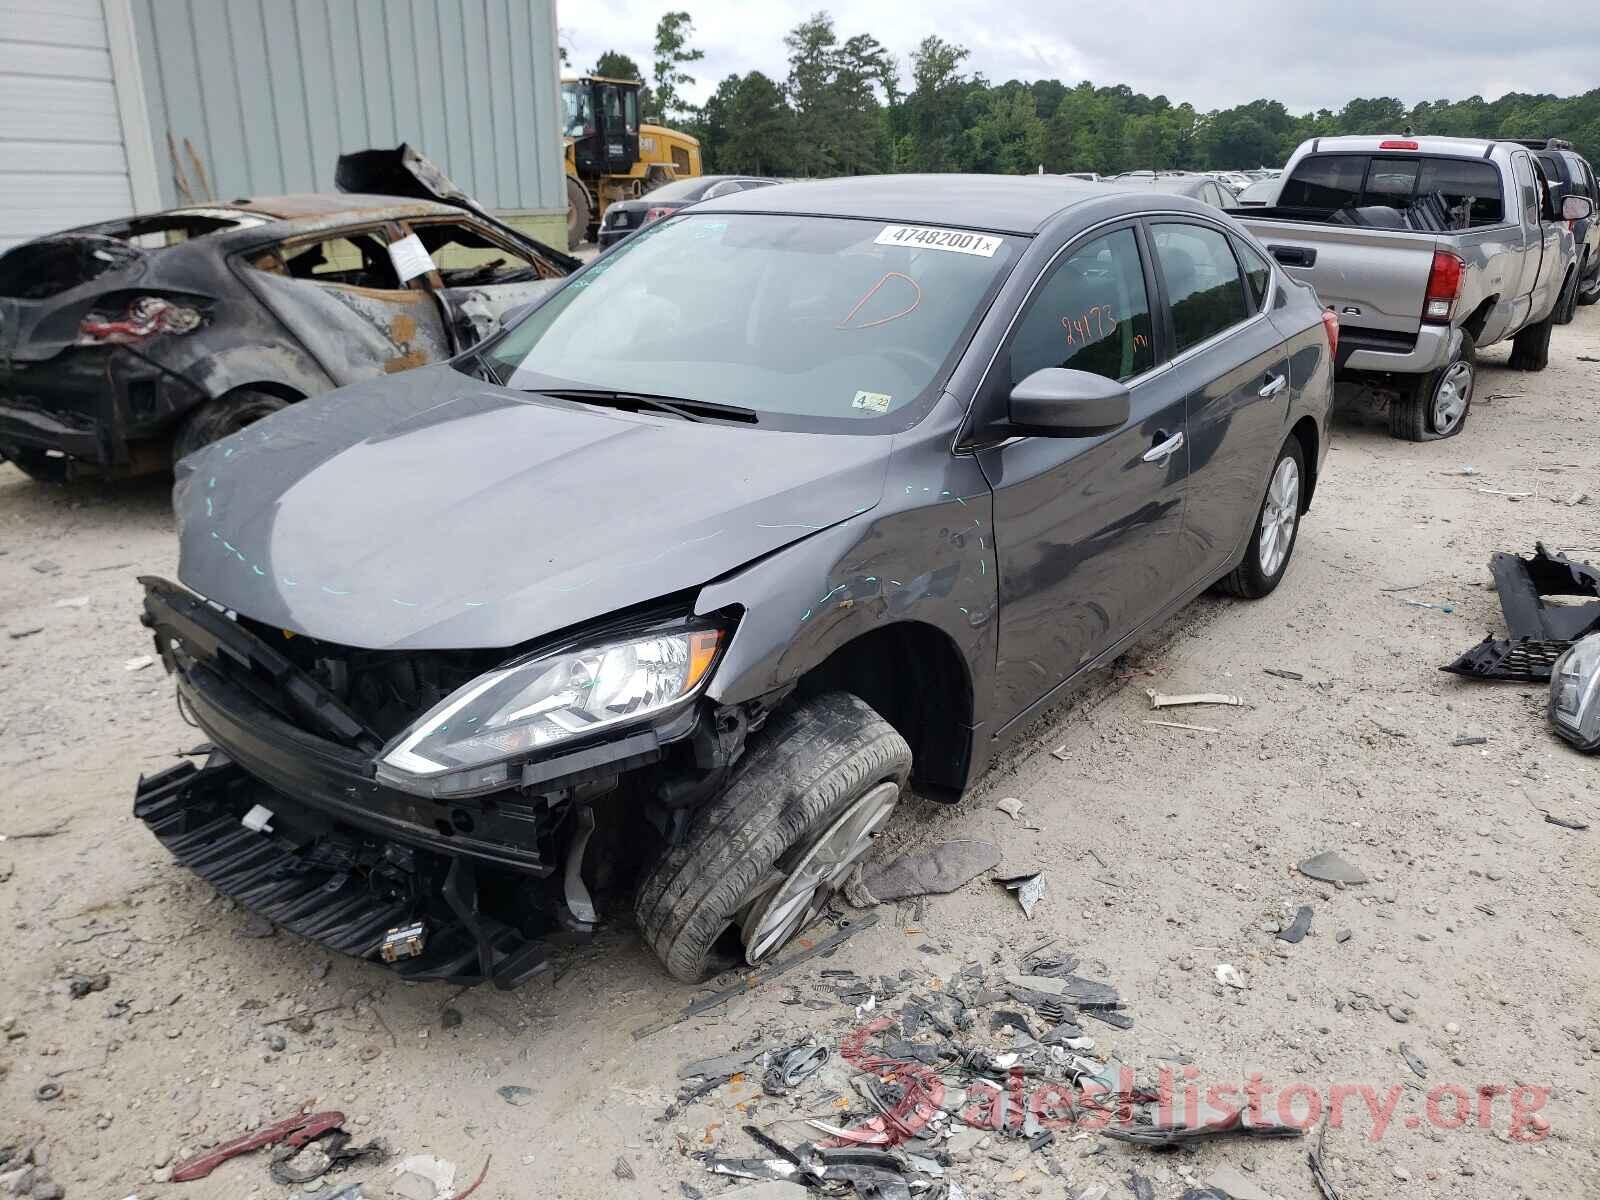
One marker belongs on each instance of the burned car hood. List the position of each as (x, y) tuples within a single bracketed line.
[(433, 510)]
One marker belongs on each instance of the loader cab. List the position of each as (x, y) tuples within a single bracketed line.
[(601, 116)]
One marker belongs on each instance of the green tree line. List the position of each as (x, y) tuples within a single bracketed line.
[(845, 108)]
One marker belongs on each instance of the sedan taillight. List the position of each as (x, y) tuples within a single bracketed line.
[(145, 317), (655, 214), (1330, 326)]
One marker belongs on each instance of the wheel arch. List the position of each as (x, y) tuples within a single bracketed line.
[(1306, 433), (915, 676), (1480, 317)]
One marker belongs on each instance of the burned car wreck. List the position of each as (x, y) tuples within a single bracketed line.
[(668, 592), (127, 344)]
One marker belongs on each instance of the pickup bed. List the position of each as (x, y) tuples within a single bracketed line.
[(1426, 249)]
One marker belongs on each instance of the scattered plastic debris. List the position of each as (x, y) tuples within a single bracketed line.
[(1233, 1183), (1470, 741), (1011, 806), (138, 663), (1157, 700), (943, 869), (1297, 929), (1181, 725), (1418, 1067), (1282, 674), (1331, 867), (1566, 822), (425, 1177), (1028, 889), (1229, 976), (293, 1133), (515, 1094), (72, 602)]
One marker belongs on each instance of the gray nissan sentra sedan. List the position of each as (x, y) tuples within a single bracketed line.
[(669, 592)]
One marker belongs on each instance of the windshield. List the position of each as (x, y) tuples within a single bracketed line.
[(812, 322), (578, 110)]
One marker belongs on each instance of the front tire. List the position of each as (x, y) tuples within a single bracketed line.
[(760, 861), (1530, 349), (577, 213), (1266, 559), (1567, 305), (1438, 405)]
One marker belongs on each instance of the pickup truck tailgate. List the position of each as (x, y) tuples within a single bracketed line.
[(1372, 278)]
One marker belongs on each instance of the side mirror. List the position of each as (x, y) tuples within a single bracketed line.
[(1576, 208), (515, 313), (1056, 402)]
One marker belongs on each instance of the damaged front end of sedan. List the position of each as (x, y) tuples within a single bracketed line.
[(435, 810)]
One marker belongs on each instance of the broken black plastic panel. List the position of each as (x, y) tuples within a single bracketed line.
[(1539, 632)]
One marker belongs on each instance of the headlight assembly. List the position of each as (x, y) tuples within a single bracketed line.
[(1575, 693), (469, 742)]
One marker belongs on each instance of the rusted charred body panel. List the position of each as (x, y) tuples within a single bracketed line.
[(116, 406)]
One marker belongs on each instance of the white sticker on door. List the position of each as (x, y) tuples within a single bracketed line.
[(410, 258), (925, 237)]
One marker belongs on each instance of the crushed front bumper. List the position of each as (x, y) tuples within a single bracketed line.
[(328, 884)]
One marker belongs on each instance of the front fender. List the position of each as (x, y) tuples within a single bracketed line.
[(923, 555)]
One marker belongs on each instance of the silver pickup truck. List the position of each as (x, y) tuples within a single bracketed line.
[(1427, 249)]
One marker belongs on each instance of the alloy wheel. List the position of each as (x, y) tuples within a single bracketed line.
[(1278, 516), (1451, 397), (789, 902)]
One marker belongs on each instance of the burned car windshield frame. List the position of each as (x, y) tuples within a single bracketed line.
[(888, 290)]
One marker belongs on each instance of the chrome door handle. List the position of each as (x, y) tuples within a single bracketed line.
[(1165, 450), (1274, 385)]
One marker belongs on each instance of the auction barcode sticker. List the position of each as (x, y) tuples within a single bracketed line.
[(924, 237)]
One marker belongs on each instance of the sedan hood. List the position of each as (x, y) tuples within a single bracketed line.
[(435, 511)]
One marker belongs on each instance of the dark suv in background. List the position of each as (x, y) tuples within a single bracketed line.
[(1569, 174)]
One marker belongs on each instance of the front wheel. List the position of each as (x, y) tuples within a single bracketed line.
[(1530, 349), (1277, 526), (577, 213), (759, 863)]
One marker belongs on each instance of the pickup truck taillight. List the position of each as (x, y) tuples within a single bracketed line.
[(1330, 326), (1444, 285)]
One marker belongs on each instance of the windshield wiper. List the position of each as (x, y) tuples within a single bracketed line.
[(689, 410)]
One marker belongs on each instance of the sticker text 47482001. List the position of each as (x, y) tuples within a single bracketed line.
[(927, 237)]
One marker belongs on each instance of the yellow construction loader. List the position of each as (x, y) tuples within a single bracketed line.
[(611, 154)]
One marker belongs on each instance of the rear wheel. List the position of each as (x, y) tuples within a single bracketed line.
[(36, 464), (1530, 349), (577, 213), (1437, 406), (760, 862), (216, 419), (1277, 526)]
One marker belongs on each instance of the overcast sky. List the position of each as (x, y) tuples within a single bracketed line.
[(1214, 53)]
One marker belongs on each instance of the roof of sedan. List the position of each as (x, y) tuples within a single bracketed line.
[(1001, 203)]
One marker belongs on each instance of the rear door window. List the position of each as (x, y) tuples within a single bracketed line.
[(1204, 286), (356, 259), (1091, 314)]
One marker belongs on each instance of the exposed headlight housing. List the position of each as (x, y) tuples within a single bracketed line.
[(1575, 693), (472, 740)]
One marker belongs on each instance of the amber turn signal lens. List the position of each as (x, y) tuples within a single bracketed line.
[(702, 652)]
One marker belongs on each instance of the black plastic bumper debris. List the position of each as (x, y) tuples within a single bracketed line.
[(320, 885), (1539, 632)]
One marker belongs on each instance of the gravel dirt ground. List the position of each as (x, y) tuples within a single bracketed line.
[(1167, 852)]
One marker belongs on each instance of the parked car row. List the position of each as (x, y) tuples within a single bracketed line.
[(664, 593)]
